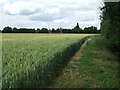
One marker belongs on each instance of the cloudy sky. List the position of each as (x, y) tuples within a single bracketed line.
[(49, 13)]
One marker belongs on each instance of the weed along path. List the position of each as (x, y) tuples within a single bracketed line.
[(84, 71)]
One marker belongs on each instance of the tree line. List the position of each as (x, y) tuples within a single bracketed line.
[(110, 25), (76, 29)]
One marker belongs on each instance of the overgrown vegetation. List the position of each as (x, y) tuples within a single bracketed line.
[(110, 26), (32, 60)]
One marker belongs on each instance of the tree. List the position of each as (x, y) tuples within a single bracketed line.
[(57, 30), (66, 30), (91, 29), (38, 30), (44, 30), (15, 30), (110, 25), (53, 30), (7, 30)]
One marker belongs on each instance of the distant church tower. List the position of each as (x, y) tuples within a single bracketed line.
[(77, 25)]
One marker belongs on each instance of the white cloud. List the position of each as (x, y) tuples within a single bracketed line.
[(47, 14), (22, 8), (60, 21), (58, 13)]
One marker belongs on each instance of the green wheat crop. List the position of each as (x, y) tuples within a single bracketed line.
[(30, 60)]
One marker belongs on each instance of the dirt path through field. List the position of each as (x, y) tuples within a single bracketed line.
[(77, 55), (68, 72), (79, 52), (90, 67)]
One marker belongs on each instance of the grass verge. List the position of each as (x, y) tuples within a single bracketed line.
[(96, 68)]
